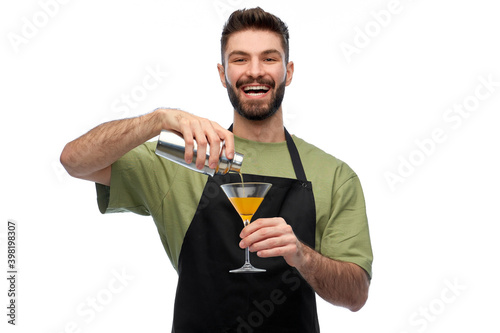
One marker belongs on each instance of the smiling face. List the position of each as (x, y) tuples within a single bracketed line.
[(255, 73)]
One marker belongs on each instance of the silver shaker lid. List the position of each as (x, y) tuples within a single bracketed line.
[(226, 165)]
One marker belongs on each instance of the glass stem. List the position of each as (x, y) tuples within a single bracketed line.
[(247, 250), (247, 256)]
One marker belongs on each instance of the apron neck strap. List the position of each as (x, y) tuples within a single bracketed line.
[(294, 155)]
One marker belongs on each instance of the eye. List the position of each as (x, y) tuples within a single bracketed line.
[(238, 60)]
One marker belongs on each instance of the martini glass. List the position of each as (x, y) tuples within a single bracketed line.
[(246, 199)]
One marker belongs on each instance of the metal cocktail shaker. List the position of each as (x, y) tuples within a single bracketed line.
[(171, 146)]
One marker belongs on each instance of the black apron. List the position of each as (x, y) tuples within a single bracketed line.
[(210, 299)]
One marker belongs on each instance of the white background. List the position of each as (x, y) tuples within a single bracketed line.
[(65, 68)]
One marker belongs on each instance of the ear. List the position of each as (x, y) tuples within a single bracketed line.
[(222, 75), (289, 72)]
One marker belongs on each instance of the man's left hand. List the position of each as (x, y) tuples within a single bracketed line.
[(272, 237)]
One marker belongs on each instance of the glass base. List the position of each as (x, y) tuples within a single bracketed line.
[(247, 268)]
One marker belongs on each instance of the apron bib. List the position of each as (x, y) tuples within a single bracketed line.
[(209, 298)]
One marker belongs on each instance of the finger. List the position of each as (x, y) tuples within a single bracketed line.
[(274, 243), (259, 224), (215, 143), (227, 137), (282, 251), (201, 143), (269, 236), (187, 134)]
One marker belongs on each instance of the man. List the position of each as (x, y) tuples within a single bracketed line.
[(312, 235)]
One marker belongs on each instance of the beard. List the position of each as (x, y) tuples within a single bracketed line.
[(255, 109)]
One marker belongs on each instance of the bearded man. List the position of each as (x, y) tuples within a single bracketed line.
[(311, 233)]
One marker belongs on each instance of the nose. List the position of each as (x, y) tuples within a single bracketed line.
[(255, 68)]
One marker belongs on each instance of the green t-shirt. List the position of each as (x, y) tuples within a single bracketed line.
[(146, 184)]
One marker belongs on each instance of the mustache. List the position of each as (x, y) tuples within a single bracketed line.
[(243, 82)]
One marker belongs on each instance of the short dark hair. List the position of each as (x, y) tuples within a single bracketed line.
[(254, 18)]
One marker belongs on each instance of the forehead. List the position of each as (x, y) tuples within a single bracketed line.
[(254, 42)]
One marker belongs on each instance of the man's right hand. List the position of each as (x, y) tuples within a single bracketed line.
[(203, 131), (90, 156)]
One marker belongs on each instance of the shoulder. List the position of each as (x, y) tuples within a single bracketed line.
[(318, 162)]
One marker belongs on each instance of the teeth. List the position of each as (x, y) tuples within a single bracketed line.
[(248, 88)]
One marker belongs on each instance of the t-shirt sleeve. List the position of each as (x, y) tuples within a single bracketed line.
[(347, 236), (135, 180)]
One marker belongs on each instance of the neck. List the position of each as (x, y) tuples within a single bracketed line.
[(267, 130)]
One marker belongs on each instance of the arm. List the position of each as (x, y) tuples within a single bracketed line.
[(91, 155), (339, 283)]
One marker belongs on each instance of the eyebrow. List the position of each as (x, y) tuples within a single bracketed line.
[(243, 53)]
